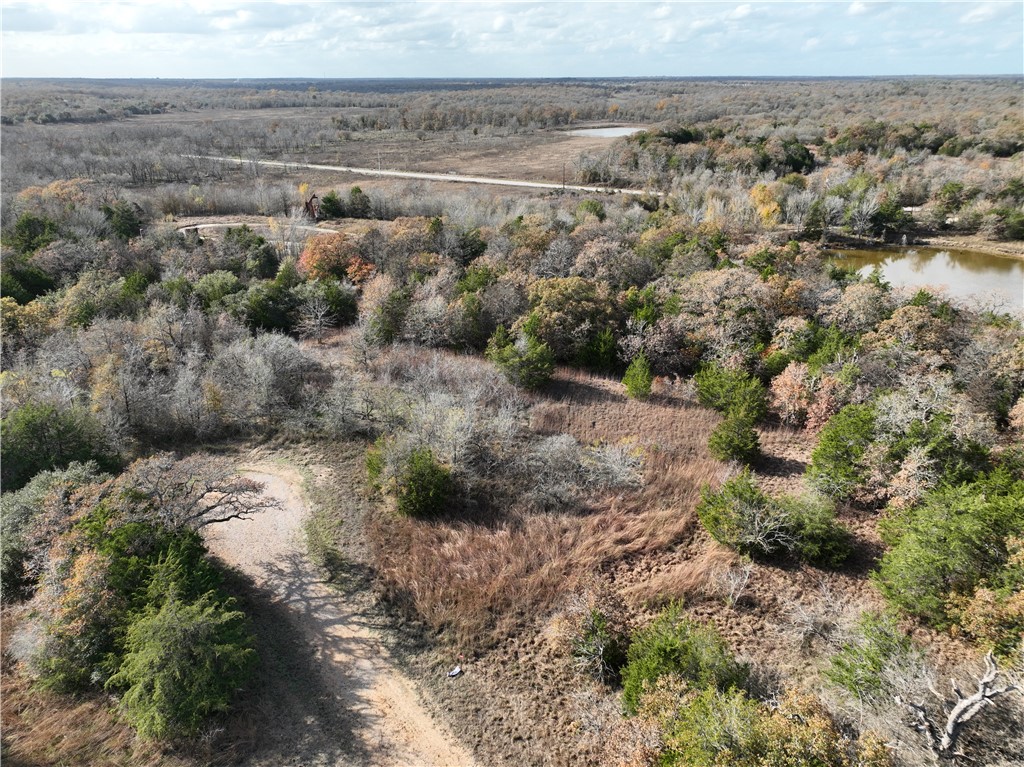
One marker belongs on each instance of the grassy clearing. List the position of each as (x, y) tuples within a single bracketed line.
[(484, 582)]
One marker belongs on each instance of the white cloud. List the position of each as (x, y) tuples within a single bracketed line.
[(239, 38), (739, 12), (980, 13)]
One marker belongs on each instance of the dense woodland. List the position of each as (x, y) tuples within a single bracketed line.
[(575, 410)]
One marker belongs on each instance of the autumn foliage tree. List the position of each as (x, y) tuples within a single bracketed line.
[(328, 255)]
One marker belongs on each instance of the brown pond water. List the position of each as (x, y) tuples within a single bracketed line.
[(962, 273)]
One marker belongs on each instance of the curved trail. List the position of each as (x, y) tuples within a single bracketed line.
[(392, 728)]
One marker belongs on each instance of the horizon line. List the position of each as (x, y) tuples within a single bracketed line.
[(480, 78)]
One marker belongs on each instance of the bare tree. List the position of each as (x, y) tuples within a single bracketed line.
[(315, 318), (193, 492), (862, 213), (943, 738), (832, 207), (732, 581)]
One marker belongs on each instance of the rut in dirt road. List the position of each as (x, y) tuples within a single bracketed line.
[(391, 728)]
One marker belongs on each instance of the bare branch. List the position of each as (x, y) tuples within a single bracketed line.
[(195, 491), (943, 742)]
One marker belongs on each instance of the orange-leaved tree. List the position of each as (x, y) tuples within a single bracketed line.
[(327, 255)]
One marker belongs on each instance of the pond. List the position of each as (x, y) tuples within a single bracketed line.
[(605, 132), (963, 273)]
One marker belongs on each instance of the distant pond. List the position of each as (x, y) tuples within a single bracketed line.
[(604, 132), (963, 273)]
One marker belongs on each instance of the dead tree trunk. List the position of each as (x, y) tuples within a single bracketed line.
[(942, 740)]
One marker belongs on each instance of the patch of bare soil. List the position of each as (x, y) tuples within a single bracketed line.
[(547, 156), (1007, 248), (339, 698)]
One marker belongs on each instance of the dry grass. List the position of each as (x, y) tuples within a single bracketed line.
[(695, 576), (484, 582)]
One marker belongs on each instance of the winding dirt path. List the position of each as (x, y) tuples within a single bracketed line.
[(391, 727)]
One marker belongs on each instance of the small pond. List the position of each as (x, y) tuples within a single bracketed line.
[(605, 132), (963, 273)]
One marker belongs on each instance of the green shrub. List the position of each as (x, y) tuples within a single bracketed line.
[(184, 662), (339, 298), (213, 287), (817, 537), (567, 314), (41, 437), (638, 378), (877, 643), (424, 486), (590, 207), (359, 203), (673, 644), (106, 585), (742, 517), (23, 280), (947, 546), (836, 468), (31, 232), (387, 320), (332, 206), (735, 438), (476, 278), (727, 390), (525, 361), (599, 649), (249, 253), (830, 345), (600, 352), (124, 219), (1012, 223), (712, 728), (956, 459)]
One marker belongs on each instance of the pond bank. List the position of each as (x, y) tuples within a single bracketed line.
[(967, 242)]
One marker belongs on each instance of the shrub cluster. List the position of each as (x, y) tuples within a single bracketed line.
[(682, 677), (715, 728), (957, 548), (865, 662), (40, 437), (525, 361), (743, 517), (674, 645), (129, 600), (743, 400)]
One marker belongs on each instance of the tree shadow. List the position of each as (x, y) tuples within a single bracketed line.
[(295, 708), (779, 466)]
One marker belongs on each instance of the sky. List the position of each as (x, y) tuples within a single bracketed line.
[(519, 38)]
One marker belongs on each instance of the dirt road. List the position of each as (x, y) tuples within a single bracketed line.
[(389, 726), (448, 177)]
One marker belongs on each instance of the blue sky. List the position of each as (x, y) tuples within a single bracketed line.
[(210, 38)]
